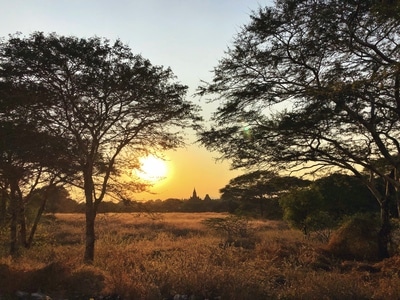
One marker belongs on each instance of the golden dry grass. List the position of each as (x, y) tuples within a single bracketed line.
[(138, 257)]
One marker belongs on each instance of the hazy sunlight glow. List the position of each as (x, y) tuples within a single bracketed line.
[(152, 169)]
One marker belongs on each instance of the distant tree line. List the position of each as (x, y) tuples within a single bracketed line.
[(59, 201), (305, 204)]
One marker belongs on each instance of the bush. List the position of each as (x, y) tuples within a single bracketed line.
[(301, 209), (356, 239), (235, 230)]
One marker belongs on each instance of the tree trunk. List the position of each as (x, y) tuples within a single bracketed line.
[(36, 222), (13, 221), (261, 206), (90, 234), (384, 232), (396, 192), (3, 207), (397, 202), (22, 222), (90, 213), (13, 227)]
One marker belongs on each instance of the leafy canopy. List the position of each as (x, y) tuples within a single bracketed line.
[(108, 105), (310, 83), (96, 95)]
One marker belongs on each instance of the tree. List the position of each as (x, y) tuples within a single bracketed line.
[(107, 102), (20, 174), (345, 195), (311, 85), (58, 200), (326, 202), (28, 159), (303, 208), (258, 191)]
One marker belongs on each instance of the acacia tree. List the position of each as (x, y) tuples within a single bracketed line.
[(28, 159), (304, 209), (103, 99), (325, 202), (260, 189), (345, 195), (313, 84)]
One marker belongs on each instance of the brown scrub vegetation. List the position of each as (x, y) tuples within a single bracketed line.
[(164, 255)]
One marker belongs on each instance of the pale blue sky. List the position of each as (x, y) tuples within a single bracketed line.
[(190, 36)]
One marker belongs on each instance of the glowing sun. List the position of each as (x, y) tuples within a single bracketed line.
[(152, 169)]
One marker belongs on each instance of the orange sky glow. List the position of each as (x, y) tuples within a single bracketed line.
[(189, 168)]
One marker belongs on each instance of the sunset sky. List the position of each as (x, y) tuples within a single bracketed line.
[(190, 36)]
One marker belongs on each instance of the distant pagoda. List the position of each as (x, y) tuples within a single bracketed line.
[(195, 197)]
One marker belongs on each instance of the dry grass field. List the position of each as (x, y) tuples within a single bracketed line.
[(164, 256)]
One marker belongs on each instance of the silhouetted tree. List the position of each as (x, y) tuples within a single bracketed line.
[(172, 205), (302, 208), (312, 85), (30, 156), (345, 195), (326, 202), (58, 200), (103, 99), (259, 191), (29, 159)]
